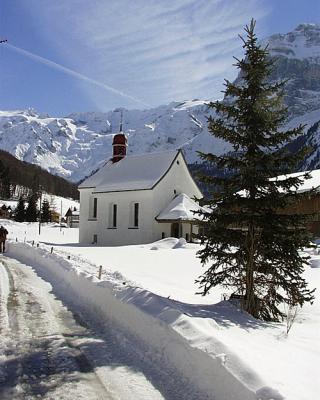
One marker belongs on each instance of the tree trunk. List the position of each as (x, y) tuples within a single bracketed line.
[(250, 304)]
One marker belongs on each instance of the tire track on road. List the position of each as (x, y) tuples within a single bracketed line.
[(39, 360)]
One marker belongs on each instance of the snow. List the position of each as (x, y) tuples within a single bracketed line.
[(186, 105), (181, 208), (131, 173), (302, 43), (307, 120), (151, 295), (307, 184)]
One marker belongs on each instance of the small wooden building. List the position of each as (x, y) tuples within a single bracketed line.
[(309, 202), (72, 218), (5, 212)]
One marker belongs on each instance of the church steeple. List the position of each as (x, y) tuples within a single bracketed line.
[(120, 143)]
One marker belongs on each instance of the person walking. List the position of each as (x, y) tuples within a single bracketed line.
[(3, 238)]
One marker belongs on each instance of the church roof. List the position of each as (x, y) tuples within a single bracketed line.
[(137, 172), (181, 208)]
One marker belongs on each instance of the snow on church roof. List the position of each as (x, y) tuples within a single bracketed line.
[(180, 208), (136, 172)]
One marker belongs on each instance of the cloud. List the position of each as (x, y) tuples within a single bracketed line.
[(155, 50)]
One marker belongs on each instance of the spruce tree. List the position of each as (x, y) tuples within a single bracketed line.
[(20, 212), (32, 210), (45, 211), (251, 242), (6, 184)]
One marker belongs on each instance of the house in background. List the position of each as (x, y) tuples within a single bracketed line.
[(72, 218), (309, 202), (5, 211), (138, 198)]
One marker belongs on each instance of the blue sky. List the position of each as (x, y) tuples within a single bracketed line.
[(78, 55)]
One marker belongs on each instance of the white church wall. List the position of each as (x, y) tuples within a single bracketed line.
[(125, 232), (86, 228), (176, 181)]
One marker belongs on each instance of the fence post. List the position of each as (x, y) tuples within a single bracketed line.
[(51, 250), (100, 272), (33, 243)]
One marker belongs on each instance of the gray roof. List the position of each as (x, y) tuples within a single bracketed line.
[(138, 172)]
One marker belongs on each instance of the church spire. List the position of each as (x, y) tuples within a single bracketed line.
[(119, 143)]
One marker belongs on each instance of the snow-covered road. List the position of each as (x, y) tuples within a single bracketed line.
[(46, 353)]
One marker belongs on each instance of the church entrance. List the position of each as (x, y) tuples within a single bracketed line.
[(175, 230)]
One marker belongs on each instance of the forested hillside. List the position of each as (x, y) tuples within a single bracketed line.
[(19, 177)]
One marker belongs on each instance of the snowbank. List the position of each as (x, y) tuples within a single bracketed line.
[(145, 318)]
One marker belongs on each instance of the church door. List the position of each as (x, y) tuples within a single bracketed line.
[(175, 230)]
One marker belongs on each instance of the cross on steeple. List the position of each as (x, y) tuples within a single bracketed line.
[(121, 120)]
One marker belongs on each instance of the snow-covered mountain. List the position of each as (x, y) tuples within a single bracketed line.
[(78, 144), (297, 57), (74, 146)]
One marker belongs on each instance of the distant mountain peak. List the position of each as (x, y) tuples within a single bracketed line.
[(308, 26), (302, 43)]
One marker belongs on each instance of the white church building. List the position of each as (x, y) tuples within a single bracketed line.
[(138, 199)]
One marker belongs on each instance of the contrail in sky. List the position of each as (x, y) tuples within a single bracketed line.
[(73, 73)]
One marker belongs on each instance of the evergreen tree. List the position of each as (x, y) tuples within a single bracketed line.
[(251, 242), (20, 213), (5, 186), (46, 211), (32, 210)]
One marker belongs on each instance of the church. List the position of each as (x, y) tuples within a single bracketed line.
[(138, 198)]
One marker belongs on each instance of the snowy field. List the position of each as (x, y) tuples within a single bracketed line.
[(243, 354)]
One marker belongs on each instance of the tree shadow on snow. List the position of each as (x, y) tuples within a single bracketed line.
[(224, 313)]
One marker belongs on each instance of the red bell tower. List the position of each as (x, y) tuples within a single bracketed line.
[(120, 143)]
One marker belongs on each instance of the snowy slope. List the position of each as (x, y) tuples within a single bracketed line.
[(302, 43)]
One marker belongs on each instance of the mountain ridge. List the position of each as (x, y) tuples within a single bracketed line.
[(75, 145)]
